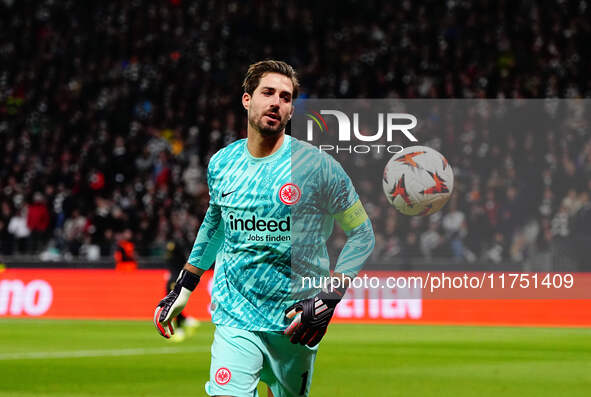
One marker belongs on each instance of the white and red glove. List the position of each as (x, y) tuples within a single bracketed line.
[(174, 303)]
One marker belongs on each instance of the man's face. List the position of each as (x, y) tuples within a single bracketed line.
[(270, 106)]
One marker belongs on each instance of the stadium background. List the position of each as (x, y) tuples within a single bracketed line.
[(110, 111)]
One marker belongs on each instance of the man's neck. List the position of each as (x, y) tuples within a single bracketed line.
[(259, 145)]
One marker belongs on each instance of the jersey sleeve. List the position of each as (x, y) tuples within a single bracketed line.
[(211, 232), (358, 247), (344, 206), (338, 193)]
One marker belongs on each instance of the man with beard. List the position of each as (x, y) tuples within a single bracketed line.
[(267, 329)]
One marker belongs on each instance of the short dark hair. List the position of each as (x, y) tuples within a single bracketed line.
[(257, 70)]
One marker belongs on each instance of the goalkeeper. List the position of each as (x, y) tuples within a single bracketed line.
[(273, 204)]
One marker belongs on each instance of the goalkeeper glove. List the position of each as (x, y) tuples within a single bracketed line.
[(174, 302), (311, 317)]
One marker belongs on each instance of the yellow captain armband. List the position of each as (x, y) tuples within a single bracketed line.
[(352, 217)]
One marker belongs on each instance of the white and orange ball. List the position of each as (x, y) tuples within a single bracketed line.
[(418, 181)]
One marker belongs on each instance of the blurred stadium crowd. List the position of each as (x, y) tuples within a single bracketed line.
[(110, 111), (522, 188)]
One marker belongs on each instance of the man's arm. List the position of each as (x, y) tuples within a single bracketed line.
[(310, 317), (360, 239), (208, 240), (347, 210), (207, 243)]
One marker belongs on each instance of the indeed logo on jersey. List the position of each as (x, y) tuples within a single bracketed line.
[(253, 224), (264, 229)]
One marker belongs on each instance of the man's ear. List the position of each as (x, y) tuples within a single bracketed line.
[(246, 100), (292, 110)]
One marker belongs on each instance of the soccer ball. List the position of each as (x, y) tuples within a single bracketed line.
[(418, 181)]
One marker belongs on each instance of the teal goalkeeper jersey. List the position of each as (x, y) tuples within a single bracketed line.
[(266, 227)]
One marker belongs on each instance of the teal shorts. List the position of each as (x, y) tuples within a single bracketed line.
[(240, 359)]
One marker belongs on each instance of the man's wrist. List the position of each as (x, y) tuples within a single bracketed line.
[(331, 297), (337, 289), (188, 280)]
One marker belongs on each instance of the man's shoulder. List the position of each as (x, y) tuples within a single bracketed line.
[(227, 154), (309, 158), (306, 152)]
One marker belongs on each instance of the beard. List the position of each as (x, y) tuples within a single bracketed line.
[(263, 128)]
